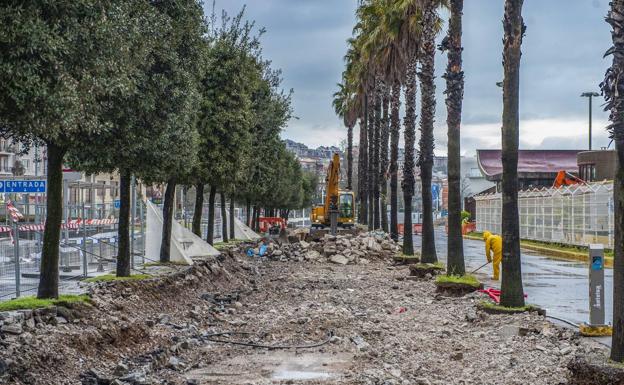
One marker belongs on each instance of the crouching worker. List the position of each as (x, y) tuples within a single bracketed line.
[(493, 245)]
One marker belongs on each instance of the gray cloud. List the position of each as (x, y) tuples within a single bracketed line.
[(562, 57)]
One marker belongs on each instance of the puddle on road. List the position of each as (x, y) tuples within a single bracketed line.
[(274, 367)]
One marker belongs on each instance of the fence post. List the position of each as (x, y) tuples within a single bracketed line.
[(18, 273), (142, 221), (84, 242), (133, 217)]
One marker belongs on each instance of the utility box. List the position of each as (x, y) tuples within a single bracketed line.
[(596, 285)]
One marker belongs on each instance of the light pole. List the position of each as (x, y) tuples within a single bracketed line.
[(590, 95)]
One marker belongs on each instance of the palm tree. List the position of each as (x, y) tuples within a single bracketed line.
[(611, 89), (377, 163), (408, 164), (454, 94), (430, 27), (511, 286), (345, 108), (395, 127), (383, 154)]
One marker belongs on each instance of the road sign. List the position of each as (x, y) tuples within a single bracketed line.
[(23, 186), (117, 203), (435, 192)]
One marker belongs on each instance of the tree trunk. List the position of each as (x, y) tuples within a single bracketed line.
[(49, 279), (511, 286), (363, 165), (454, 94), (211, 214), (426, 144), (123, 233), (224, 224), (165, 245), (370, 175), (383, 162), (231, 218), (394, 157), (611, 89), (376, 163), (350, 157), (248, 214), (199, 207), (408, 165)]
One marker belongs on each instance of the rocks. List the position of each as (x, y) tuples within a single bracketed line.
[(338, 259), (357, 249), (15, 329)]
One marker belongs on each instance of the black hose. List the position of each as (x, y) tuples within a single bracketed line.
[(563, 320), (253, 345)]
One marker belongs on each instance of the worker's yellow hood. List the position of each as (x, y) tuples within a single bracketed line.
[(486, 235)]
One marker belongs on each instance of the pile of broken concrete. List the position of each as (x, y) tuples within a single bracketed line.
[(340, 249)]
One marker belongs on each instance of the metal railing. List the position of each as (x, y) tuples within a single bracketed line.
[(88, 247)]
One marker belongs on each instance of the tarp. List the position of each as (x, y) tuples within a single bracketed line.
[(241, 230), (184, 244)]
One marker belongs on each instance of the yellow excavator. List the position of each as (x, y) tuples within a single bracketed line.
[(343, 199)]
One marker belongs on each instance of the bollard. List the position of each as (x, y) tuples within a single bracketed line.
[(18, 273), (85, 271), (596, 326), (596, 285)]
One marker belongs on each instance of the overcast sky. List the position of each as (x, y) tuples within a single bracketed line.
[(562, 57)]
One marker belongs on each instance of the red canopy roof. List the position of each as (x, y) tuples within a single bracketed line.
[(530, 162)]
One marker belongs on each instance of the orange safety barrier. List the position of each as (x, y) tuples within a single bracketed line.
[(266, 222), (466, 228), (416, 228)]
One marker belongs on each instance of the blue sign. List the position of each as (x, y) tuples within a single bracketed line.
[(435, 192), (596, 263), (22, 186), (117, 203)]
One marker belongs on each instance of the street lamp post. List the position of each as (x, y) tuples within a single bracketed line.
[(590, 95)]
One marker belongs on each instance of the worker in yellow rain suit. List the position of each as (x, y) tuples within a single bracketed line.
[(494, 244)]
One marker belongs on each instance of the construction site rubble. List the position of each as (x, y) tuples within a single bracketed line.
[(235, 319), (340, 249)]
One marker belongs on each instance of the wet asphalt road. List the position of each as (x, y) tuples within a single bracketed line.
[(559, 286)]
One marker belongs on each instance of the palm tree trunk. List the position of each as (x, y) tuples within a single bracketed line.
[(426, 144), (408, 165), (371, 160), (165, 245), (123, 229), (363, 166), (211, 214), (199, 206), (454, 94), (224, 224), (394, 158), (511, 286), (383, 154), (611, 89), (49, 277), (350, 157), (376, 164), (248, 214)]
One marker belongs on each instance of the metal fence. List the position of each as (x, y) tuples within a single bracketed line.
[(576, 215), (88, 246)]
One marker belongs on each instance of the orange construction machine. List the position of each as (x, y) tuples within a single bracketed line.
[(344, 200), (564, 178)]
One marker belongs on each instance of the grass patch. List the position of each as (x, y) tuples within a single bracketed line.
[(113, 277), (551, 245), (503, 309), (31, 302), (467, 279), (224, 245)]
